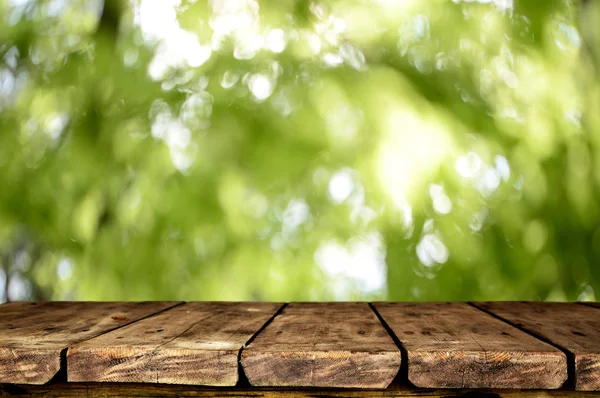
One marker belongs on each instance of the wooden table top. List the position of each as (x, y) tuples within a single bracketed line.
[(278, 349)]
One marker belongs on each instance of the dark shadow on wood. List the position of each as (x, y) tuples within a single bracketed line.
[(401, 378), (243, 381), (589, 304), (61, 375)]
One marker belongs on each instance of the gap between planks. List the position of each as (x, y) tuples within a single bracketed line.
[(566, 327), (402, 376), (30, 353), (453, 345), (403, 368), (242, 379), (197, 343), (323, 345), (569, 383), (62, 375)]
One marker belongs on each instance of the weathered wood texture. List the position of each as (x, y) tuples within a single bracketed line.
[(317, 345), (323, 345), (573, 327), (195, 343), (78, 390), (453, 345), (32, 335)]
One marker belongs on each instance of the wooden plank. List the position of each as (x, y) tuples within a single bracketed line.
[(195, 343), (573, 327), (78, 390), (33, 335), (453, 345), (323, 345)]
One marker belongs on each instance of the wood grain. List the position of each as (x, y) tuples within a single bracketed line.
[(453, 345), (323, 345), (79, 390), (195, 343), (573, 327), (33, 335)]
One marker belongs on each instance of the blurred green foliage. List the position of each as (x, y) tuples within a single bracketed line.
[(299, 150)]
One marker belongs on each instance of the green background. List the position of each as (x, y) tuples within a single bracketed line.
[(299, 150)]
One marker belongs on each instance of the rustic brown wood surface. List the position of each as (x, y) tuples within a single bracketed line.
[(453, 345), (323, 345), (195, 343), (33, 335), (486, 347), (574, 327), (70, 390)]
